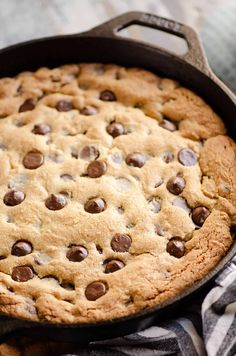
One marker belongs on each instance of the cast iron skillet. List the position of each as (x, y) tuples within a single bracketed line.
[(102, 44)]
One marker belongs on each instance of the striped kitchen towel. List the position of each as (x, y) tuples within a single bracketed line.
[(183, 336), (205, 328)]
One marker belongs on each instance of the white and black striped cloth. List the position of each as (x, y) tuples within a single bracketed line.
[(208, 327)]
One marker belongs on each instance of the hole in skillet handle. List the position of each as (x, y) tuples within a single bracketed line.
[(167, 41), (188, 37)]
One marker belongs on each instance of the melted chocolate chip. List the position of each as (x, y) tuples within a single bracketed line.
[(176, 185), (95, 205), (33, 160), (115, 129), (21, 248), (64, 105), (187, 157), (113, 266), (22, 273), (95, 290), (107, 95), (28, 105), (88, 111), (41, 129), (175, 247), (89, 153), (135, 159), (13, 197), (56, 201), (120, 242), (168, 157), (168, 125), (200, 214), (96, 169), (77, 253)]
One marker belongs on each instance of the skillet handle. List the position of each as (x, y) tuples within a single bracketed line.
[(195, 55)]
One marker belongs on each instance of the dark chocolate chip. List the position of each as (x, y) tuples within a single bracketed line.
[(22, 273), (89, 153), (120, 242), (77, 253), (13, 197), (28, 105), (56, 201), (181, 203), (187, 157), (96, 169), (135, 159), (95, 290), (115, 129), (158, 230), (175, 247), (168, 125), (107, 95), (64, 105), (21, 248), (168, 157), (200, 214), (95, 205), (113, 266), (33, 160), (41, 129), (176, 185), (88, 111)]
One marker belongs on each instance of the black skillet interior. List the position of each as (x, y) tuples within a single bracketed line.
[(101, 44)]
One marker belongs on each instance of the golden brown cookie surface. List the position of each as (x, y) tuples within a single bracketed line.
[(115, 185)]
